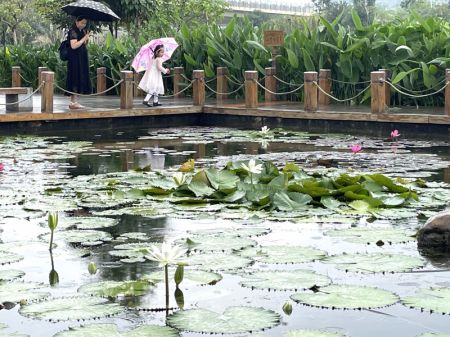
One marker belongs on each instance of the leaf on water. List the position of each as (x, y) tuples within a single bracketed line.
[(375, 262), (285, 280), (431, 299), (18, 291), (232, 320), (283, 254), (117, 288), (74, 308), (111, 330), (347, 297), (370, 235)]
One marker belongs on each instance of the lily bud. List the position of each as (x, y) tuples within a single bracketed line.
[(53, 277), (52, 220), (92, 268), (179, 274), (179, 298), (287, 308)]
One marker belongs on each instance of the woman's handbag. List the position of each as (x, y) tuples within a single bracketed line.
[(64, 49)]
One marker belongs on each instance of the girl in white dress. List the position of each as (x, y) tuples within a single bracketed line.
[(152, 82)]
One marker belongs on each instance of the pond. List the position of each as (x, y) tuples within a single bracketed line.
[(279, 242)]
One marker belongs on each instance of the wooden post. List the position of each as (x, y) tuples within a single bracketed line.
[(271, 84), (378, 91), (16, 81), (126, 89), (137, 77), (310, 90), (387, 87), (101, 79), (199, 87), (222, 84), (325, 85), (47, 91), (40, 79), (251, 89), (447, 91), (177, 79)]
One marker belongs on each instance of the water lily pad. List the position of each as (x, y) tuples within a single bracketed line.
[(116, 288), (9, 257), (10, 274), (111, 330), (375, 262), (197, 276), (87, 222), (138, 236), (311, 333), (347, 297), (285, 280), (232, 320), (144, 211), (372, 235), (74, 308), (18, 291), (89, 237), (215, 243), (431, 299), (283, 254), (431, 334), (134, 251), (216, 262), (230, 231)]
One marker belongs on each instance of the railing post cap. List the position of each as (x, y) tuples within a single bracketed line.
[(251, 74), (127, 75), (101, 70), (178, 70), (222, 71), (270, 71), (198, 74)]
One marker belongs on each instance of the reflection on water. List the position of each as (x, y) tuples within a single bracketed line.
[(127, 152)]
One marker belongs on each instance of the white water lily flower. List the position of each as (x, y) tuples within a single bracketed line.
[(252, 167), (265, 130), (264, 143), (166, 255), (180, 178)]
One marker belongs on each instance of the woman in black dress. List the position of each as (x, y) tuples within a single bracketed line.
[(78, 80)]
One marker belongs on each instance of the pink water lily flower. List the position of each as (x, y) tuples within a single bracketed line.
[(356, 148), (395, 134), (2, 167)]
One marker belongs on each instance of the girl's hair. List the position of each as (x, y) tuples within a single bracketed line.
[(157, 49)]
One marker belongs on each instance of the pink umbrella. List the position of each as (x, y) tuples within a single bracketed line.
[(144, 58)]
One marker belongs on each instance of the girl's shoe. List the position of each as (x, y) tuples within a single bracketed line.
[(75, 105), (156, 104), (147, 103)]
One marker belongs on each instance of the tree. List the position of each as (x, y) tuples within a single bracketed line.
[(14, 16), (365, 10)]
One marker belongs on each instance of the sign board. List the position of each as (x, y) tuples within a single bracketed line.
[(273, 38)]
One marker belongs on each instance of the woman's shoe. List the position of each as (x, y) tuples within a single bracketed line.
[(75, 105)]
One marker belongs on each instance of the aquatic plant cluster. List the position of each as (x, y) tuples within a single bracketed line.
[(242, 243)]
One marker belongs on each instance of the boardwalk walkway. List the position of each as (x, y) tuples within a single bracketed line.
[(279, 113)]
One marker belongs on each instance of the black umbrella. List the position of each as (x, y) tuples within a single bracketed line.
[(91, 10)]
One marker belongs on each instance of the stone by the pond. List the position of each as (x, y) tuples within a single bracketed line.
[(436, 232)]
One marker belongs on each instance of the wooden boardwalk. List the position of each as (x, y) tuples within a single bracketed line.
[(107, 107)]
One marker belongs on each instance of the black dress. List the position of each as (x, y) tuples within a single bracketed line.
[(78, 66)]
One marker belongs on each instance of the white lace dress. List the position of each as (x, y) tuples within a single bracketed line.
[(152, 82)]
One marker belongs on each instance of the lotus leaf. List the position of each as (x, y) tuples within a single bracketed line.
[(230, 321), (9, 257), (375, 262), (133, 250), (283, 254), (347, 297), (111, 330), (432, 299), (88, 237), (230, 231), (218, 261), (4, 334), (311, 333), (370, 235), (214, 243), (87, 222), (10, 274), (197, 276), (116, 288), (18, 291), (74, 308), (285, 280)]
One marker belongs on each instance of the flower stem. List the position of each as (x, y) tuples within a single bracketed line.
[(166, 276), (51, 241)]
